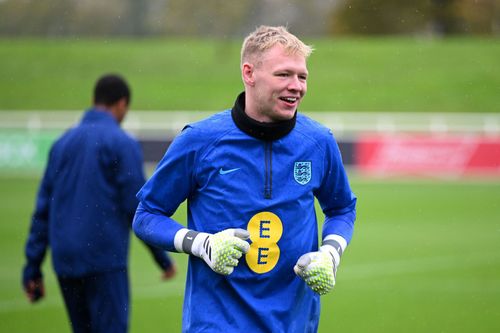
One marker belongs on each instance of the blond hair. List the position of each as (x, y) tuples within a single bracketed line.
[(265, 37)]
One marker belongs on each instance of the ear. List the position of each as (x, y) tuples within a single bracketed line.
[(247, 73), (122, 103), (120, 109)]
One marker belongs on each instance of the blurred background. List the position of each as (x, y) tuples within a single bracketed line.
[(410, 89)]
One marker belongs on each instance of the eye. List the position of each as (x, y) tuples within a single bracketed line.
[(303, 77), (282, 74)]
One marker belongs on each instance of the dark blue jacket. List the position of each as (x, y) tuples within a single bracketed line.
[(86, 201)]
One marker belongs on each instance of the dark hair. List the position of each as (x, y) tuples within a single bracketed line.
[(110, 88)]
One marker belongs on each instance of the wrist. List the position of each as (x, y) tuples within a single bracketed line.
[(31, 272)]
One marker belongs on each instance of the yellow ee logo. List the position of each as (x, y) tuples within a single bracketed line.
[(265, 230)]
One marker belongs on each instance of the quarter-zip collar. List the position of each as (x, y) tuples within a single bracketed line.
[(257, 129)]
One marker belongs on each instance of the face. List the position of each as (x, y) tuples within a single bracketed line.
[(275, 86)]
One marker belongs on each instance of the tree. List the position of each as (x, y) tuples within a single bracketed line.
[(375, 17)]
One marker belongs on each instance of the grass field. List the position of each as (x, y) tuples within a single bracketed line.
[(425, 258), (425, 255), (384, 74)]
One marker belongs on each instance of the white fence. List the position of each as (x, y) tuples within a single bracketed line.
[(161, 123), (26, 136)]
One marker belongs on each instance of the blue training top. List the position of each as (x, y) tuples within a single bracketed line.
[(234, 180)]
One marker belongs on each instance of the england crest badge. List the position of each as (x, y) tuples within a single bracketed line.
[(302, 172)]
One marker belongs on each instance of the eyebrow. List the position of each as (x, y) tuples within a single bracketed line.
[(291, 71)]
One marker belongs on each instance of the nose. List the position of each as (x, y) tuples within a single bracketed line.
[(296, 84)]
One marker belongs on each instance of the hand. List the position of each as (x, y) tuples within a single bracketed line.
[(221, 251), (169, 272), (318, 270), (34, 290)]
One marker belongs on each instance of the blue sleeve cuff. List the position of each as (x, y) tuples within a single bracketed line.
[(161, 257), (342, 225), (30, 273), (155, 229)]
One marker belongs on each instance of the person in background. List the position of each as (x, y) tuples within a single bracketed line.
[(250, 175), (84, 210)]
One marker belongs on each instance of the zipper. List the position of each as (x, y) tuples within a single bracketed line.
[(268, 178)]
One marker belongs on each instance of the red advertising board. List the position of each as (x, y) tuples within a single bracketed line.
[(434, 155)]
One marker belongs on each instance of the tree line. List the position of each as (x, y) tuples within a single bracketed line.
[(227, 19)]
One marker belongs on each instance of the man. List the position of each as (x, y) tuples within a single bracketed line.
[(250, 175), (85, 206)]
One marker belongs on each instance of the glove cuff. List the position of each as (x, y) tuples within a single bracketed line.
[(190, 241), (335, 245)]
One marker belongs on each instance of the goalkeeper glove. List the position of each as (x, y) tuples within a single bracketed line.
[(220, 251), (319, 269)]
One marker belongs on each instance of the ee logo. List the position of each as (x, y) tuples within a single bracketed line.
[(265, 230)]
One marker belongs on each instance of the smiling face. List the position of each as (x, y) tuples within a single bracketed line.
[(275, 84)]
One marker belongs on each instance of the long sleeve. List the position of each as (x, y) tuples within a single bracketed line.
[(335, 196), (38, 237), (160, 256), (168, 187), (131, 178), (155, 229)]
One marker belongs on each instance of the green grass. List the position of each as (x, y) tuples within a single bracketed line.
[(382, 74), (425, 258)]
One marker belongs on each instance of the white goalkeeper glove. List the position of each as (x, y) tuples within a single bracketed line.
[(221, 251), (319, 269)]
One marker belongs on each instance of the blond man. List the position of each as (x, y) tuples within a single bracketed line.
[(250, 175)]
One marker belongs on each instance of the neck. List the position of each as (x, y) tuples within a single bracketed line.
[(109, 109), (250, 109)]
